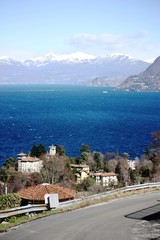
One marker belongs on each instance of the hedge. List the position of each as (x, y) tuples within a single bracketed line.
[(9, 201)]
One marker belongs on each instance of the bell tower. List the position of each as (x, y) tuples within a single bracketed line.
[(52, 150)]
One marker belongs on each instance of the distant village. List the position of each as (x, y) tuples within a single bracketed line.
[(28, 164), (39, 172)]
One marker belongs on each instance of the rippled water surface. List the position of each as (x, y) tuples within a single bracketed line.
[(105, 119)]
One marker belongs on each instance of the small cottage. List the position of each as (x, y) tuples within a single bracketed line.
[(35, 194)]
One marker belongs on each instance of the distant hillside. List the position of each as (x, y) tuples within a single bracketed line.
[(149, 80), (76, 68)]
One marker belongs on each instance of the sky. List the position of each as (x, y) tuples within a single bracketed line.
[(34, 28)]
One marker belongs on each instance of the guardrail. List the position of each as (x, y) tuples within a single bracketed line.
[(43, 207), (141, 186), (68, 203), (22, 210), (125, 189)]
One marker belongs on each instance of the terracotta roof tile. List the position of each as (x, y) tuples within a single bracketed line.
[(36, 193)]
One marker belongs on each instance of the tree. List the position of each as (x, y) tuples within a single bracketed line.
[(16, 180), (125, 155), (153, 154), (37, 151), (60, 150), (3, 174), (87, 183), (97, 159), (147, 151), (84, 153), (110, 155), (91, 162), (11, 162), (122, 169), (84, 148), (56, 170), (78, 160), (155, 159), (118, 170), (10, 176), (133, 176), (41, 150), (156, 140), (34, 179), (13, 179), (111, 165), (84, 157), (34, 151), (145, 167)]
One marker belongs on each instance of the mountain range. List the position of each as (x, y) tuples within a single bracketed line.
[(148, 80), (76, 68)]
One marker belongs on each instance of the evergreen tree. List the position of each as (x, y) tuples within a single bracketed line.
[(10, 162), (34, 151), (97, 160), (84, 148), (84, 153), (37, 151), (60, 150), (41, 150)]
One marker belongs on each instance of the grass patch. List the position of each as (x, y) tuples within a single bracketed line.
[(17, 220)]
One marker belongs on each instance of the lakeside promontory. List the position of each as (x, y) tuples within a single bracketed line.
[(147, 81)]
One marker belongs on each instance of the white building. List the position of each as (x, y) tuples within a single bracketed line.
[(105, 178), (29, 164), (132, 164), (81, 171), (52, 150), (21, 155)]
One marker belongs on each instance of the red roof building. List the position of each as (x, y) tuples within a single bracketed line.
[(35, 194)]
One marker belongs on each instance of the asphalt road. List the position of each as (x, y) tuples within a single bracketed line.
[(103, 221)]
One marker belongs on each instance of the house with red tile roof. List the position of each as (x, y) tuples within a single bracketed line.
[(36, 194), (105, 178)]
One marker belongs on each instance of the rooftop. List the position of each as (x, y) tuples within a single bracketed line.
[(22, 154), (36, 193), (79, 165), (105, 174), (30, 159)]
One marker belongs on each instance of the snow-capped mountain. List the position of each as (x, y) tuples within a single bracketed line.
[(7, 60), (76, 57), (72, 68)]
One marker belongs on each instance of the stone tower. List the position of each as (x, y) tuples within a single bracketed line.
[(52, 150)]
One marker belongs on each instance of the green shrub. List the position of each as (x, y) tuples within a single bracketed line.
[(9, 201)]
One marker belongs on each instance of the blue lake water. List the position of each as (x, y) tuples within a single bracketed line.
[(75, 115)]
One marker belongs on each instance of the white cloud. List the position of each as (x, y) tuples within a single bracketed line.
[(109, 43), (89, 40)]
